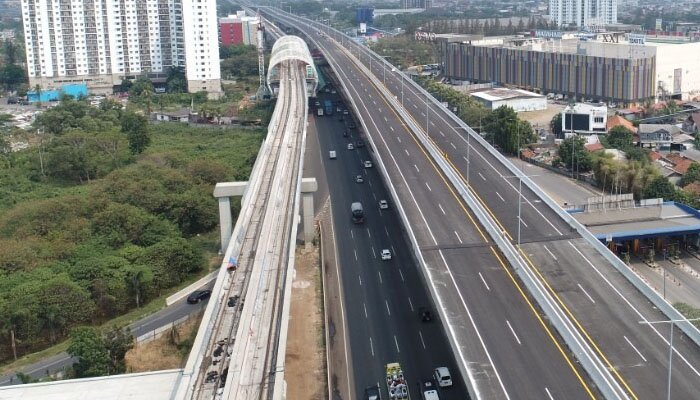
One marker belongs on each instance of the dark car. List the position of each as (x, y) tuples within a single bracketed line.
[(360, 143), (12, 100), (198, 295), (425, 314), (372, 393)]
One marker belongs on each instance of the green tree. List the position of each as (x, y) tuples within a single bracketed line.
[(138, 279), (660, 187), (176, 81), (117, 343), (573, 154), (508, 131), (620, 138), (555, 123), (11, 76), (172, 260), (691, 175), (88, 346), (135, 127)]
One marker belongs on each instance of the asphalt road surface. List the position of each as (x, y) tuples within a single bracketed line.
[(382, 298), (62, 361), (603, 305)]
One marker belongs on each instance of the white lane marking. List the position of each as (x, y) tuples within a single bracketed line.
[(371, 346), (500, 197), (398, 139), (484, 281), (393, 251), (386, 120), (370, 183), (365, 307), (453, 145), (375, 197), (415, 106), (410, 304), (352, 235), (428, 186), (368, 233), (549, 394), (416, 167), (421, 339), (360, 279), (396, 342), (482, 177), (432, 123), (387, 307), (407, 153), (586, 293), (635, 349), (513, 332), (374, 102), (380, 277), (373, 252), (391, 127), (550, 253), (386, 230), (422, 113), (442, 134), (401, 273), (522, 221), (380, 211), (458, 238), (355, 254), (442, 209), (636, 311)]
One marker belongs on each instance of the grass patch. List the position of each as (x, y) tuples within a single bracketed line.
[(689, 312)]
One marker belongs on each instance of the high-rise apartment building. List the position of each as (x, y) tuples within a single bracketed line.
[(583, 13), (101, 42)]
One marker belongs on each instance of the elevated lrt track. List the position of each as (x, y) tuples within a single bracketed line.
[(240, 360)]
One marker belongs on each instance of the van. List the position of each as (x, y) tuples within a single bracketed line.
[(442, 376), (331, 154)]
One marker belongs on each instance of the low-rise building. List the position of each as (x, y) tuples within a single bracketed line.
[(238, 29), (584, 118), (657, 135), (517, 99)]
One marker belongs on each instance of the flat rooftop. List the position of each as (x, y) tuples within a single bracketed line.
[(666, 219), (497, 94), (157, 385)]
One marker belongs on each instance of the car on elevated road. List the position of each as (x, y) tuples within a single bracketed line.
[(198, 295), (386, 255), (383, 204), (359, 179)]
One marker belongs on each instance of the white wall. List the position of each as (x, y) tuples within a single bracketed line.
[(685, 56), (532, 104)]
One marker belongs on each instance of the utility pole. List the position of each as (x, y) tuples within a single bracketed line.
[(263, 91)]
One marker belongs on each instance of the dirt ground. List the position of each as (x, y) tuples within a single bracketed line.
[(163, 352), (540, 119), (305, 363)]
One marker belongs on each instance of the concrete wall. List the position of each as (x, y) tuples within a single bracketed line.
[(531, 104), (685, 56)]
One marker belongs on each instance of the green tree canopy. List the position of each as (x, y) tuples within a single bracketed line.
[(691, 175), (508, 131), (135, 126), (88, 346), (660, 187), (555, 124), (573, 154), (620, 138)]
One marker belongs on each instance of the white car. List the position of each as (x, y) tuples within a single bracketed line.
[(351, 146), (368, 164), (443, 377), (359, 179), (383, 204), (345, 112), (386, 254)]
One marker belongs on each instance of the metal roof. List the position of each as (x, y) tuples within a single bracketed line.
[(288, 48)]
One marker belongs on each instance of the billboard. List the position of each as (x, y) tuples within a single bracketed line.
[(659, 24), (637, 38), (548, 34)]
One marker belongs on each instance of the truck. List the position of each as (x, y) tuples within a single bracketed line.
[(358, 214), (328, 107), (396, 382)]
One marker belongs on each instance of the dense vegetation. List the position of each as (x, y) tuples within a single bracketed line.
[(103, 213)]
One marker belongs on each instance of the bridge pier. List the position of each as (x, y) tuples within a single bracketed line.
[(308, 187), (223, 191)]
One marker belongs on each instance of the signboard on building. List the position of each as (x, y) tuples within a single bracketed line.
[(549, 34), (424, 36), (363, 27), (659, 24), (637, 38)]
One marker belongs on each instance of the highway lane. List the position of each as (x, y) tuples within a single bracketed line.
[(569, 277), (546, 369), (382, 297)]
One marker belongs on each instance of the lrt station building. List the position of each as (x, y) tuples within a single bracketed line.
[(615, 67)]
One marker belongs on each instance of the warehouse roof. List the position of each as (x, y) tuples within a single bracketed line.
[(497, 94)]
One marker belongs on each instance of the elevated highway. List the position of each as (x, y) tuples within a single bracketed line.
[(436, 165)]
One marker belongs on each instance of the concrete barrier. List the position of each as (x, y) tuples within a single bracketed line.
[(184, 292)]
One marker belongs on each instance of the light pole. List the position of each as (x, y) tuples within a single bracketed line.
[(670, 346), (400, 73), (469, 146)]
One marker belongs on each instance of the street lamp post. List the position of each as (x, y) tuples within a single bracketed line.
[(670, 346)]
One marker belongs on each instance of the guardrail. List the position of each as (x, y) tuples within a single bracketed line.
[(158, 332), (182, 293)]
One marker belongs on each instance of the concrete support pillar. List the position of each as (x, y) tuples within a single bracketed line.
[(224, 191), (308, 187)]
